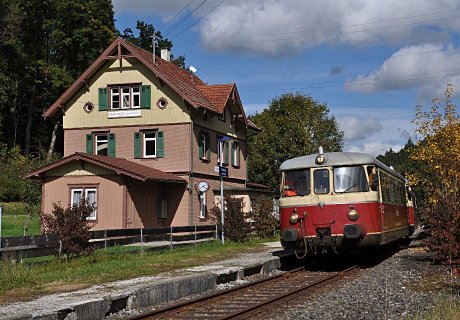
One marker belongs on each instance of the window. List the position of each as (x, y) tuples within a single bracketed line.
[(321, 181), (148, 144), (225, 151), (350, 179), (296, 183), (236, 154), (204, 146), (101, 144), (90, 196), (125, 97), (222, 116), (118, 97), (202, 205)]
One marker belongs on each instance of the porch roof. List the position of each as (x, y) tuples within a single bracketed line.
[(118, 165)]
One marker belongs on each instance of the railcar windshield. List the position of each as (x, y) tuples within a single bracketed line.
[(350, 179), (296, 183), (321, 181)]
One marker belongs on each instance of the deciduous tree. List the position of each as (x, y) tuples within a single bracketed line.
[(292, 125), (438, 151)]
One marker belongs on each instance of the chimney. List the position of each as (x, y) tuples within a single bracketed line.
[(166, 55)]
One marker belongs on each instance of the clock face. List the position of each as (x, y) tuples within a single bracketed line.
[(203, 186)]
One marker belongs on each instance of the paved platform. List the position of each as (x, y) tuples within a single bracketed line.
[(98, 301)]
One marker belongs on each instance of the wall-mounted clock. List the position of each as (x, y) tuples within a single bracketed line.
[(203, 186)]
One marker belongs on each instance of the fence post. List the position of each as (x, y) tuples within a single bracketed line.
[(142, 242), (195, 236), (217, 233), (60, 247), (105, 240), (171, 239)]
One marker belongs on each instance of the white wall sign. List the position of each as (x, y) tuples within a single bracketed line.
[(124, 114)]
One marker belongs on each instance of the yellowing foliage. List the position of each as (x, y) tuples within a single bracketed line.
[(438, 132), (437, 155)]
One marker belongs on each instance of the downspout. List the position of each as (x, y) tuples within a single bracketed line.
[(190, 177)]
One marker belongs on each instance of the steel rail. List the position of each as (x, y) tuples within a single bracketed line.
[(248, 299)]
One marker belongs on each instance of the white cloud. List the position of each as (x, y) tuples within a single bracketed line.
[(373, 147), (374, 130), (428, 66), (275, 28), (358, 128)]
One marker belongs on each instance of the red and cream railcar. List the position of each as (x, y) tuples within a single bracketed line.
[(342, 200)]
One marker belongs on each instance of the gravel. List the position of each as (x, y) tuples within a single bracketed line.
[(400, 287)]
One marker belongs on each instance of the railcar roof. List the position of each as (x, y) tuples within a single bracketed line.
[(336, 159)]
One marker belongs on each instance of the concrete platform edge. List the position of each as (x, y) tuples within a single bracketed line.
[(164, 291)]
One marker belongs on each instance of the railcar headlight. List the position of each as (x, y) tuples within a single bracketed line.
[(294, 218), (353, 215)]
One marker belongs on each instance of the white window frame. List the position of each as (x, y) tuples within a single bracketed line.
[(134, 94), (205, 146), (85, 191), (101, 139), (125, 94), (115, 94), (202, 205), (93, 215), (144, 144), (236, 152)]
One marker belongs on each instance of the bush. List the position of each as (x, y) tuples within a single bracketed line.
[(443, 219), (236, 227), (262, 215), (72, 227)]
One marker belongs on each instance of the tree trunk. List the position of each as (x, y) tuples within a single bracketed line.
[(30, 111), (53, 142)]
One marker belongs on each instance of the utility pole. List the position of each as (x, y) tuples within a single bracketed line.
[(222, 172)]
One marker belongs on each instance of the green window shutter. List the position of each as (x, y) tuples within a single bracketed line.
[(137, 145), (146, 97), (89, 143), (208, 147), (160, 144), (227, 147), (200, 145), (103, 99), (112, 145)]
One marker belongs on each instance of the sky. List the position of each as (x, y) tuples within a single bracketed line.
[(371, 62)]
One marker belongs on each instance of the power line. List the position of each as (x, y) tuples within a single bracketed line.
[(198, 20), (330, 34), (185, 18), (322, 85), (324, 62), (351, 26), (175, 15)]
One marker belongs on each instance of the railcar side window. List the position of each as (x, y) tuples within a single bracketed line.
[(350, 179), (321, 181), (296, 183)]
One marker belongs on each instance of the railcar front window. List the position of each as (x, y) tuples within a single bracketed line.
[(321, 181), (350, 179), (296, 183)]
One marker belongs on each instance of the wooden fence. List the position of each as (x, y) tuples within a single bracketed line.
[(154, 238)]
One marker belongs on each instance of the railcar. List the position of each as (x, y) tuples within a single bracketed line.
[(339, 201)]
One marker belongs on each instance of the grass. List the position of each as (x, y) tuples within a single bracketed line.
[(13, 225), (446, 309), (15, 215), (32, 278)]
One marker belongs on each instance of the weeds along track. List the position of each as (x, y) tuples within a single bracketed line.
[(249, 300)]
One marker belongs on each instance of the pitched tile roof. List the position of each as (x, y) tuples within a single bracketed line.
[(190, 87), (118, 165)]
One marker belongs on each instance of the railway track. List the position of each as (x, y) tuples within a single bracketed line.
[(247, 301)]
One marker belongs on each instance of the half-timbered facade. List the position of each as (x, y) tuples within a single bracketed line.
[(141, 142)]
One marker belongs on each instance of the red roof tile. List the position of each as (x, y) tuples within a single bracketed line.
[(190, 87), (118, 165)]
